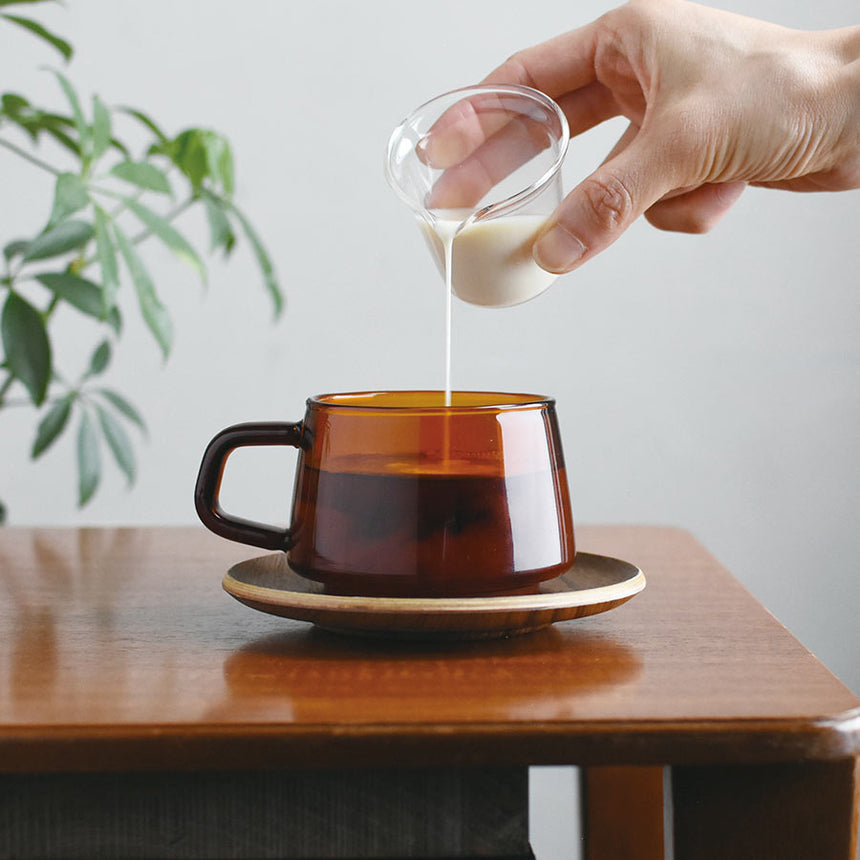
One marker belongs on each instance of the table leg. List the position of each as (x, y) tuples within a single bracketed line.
[(792, 811), (622, 813)]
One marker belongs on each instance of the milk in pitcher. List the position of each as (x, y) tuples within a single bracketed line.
[(488, 263)]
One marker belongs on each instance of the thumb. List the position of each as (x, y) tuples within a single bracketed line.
[(605, 204)]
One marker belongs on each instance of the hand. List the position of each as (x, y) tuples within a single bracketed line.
[(715, 101)]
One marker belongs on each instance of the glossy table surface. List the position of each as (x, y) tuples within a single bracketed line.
[(122, 651)]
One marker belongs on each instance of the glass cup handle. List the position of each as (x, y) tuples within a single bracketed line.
[(206, 493)]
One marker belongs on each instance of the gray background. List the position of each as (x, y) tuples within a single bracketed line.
[(708, 382)]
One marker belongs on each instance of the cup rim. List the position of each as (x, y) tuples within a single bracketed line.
[(495, 401)]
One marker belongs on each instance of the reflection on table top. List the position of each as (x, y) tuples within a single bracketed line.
[(121, 648)]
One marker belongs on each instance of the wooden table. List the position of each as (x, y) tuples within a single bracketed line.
[(145, 713)]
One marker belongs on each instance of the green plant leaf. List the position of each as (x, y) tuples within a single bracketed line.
[(24, 118), (89, 459), (83, 129), (52, 425), (269, 277), (220, 229), (37, 29), (12, 104), (70, 196), (227, 171), (100, 359), (23, 2), (123, 407), (17, 248), (154, 313), (101, 128), (118, 442), (66, 236), (168, 234), (141, 117), (63, 139), (26, 345), (114, 320), (56, 125), (35, 122), (143, 175), (219, 160), (106, 253), (188, 152), (82, 294)]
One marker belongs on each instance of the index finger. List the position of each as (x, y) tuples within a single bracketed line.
[(560, 65)]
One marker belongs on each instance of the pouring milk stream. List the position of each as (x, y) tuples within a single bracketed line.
[(480, 169)]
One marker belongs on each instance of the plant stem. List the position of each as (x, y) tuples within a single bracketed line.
[(31, 158), (120, 208), (174, 213)]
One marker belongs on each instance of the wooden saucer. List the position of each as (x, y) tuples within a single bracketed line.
[(594, 584)]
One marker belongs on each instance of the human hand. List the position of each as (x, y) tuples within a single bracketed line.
[(715, 101)]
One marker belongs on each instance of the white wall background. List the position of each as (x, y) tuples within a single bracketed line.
[(709, 382)]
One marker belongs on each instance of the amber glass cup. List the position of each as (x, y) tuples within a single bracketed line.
[(399, 494)]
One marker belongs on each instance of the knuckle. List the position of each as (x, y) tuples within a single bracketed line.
[(516, 68), (609, 200), (635, 17)]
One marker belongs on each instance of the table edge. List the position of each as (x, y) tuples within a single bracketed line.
[(183, 747)]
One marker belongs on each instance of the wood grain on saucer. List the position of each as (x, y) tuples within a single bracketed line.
[(594, 584)]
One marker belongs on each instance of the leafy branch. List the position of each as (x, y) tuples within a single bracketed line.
[(100, 216)]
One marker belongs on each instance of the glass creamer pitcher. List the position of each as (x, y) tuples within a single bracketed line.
[(480, 169)]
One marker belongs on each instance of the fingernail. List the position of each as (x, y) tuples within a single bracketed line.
[(444, 148), (557, 250), (422, 147)]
